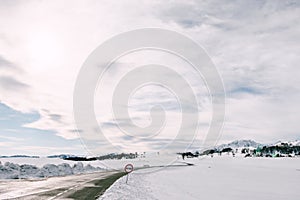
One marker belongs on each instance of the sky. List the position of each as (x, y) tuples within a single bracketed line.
[(43, 45)]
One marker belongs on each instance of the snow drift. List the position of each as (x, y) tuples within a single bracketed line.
[(15, 171)]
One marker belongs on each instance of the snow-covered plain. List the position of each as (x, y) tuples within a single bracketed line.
[(220, 177)]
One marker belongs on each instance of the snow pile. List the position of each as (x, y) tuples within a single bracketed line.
[(14, 171)]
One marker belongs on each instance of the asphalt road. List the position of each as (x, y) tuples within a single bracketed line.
[(51, 188)]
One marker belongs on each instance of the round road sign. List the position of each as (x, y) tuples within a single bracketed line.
[(128, 168)]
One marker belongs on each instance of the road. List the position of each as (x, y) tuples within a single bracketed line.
[(54, 187)]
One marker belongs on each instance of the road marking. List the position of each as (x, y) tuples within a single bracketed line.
[(69, 189), (74, 187)]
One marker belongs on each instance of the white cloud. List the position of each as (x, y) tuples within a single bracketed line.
[(49, 41), (254, 44)]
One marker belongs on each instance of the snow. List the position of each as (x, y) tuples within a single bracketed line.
[(220, 177), (238, 144), (16, 168), (40, 162), (290, 143), (47, 188), (10, 170), (107, 164)]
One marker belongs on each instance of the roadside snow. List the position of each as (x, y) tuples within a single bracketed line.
[(15, 168), (136, 188), (215, 178), (15, 171)]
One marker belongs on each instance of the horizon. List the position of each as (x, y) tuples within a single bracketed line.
[(86, 155)]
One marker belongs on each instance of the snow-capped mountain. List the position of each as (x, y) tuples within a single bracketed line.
[(289, 143), (239, 144), (295, 143)]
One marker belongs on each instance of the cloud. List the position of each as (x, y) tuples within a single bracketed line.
[(5, 63), (56, 117), (8, 67), (52, 49), (9, 83), (249, 90), (254, 45)]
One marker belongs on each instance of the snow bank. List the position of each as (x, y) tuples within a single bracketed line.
[(15, 171)]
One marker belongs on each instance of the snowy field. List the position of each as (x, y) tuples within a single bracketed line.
[(214, 179), (220, 177)]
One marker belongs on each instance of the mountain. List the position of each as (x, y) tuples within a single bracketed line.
[(239, 144), (287, 143), (295, 143)]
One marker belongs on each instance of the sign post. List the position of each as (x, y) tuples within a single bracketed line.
[(128, 169)]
